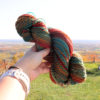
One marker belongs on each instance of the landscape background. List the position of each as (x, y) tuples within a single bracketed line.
[(42, 88)]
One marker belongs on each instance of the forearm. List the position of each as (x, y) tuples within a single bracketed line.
[(30, 66), (11, 89)]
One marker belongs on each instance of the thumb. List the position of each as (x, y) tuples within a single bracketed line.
[(44, 52)]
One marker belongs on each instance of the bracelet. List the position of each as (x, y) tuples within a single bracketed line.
[(13, 67), (20, 75)]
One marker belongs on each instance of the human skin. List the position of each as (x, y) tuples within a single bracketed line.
[(31, 63)]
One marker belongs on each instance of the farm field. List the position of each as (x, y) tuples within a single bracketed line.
[(42, 88)]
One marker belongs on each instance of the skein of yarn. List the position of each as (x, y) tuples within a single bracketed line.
[(66, 67)]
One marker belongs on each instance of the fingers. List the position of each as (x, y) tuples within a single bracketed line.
[(44, 52), (45, 64), (44, 67), (33, 48)]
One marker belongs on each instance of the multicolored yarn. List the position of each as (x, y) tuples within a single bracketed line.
[(67, 67)]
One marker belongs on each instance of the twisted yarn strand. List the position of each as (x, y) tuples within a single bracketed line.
[(67, 67)]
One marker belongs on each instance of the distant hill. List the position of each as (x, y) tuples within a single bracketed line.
[(86, 41), (89, 49), (74, 41), (79, 45), (86, 45), (11, 41)]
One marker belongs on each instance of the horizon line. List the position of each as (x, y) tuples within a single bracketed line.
[(71, 39)]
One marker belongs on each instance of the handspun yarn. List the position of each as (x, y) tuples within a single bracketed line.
[(66, 67)]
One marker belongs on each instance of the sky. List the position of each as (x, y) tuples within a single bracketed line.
[(79, 19)]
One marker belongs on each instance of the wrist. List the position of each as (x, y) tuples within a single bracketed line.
[(32, 74), (25, 70)]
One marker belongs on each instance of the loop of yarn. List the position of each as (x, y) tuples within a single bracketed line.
[(66, 67)]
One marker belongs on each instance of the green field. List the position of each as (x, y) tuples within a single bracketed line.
[(43, 89)]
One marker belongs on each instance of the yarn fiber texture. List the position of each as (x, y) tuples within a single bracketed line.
[(66, 67)]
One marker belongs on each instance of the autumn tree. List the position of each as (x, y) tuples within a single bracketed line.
[(17, 56)]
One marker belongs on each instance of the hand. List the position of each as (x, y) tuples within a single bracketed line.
[(32, 64)]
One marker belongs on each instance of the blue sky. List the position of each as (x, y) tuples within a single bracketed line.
[(80, 19)]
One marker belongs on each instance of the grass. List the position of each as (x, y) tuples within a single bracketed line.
[(43, 89)]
